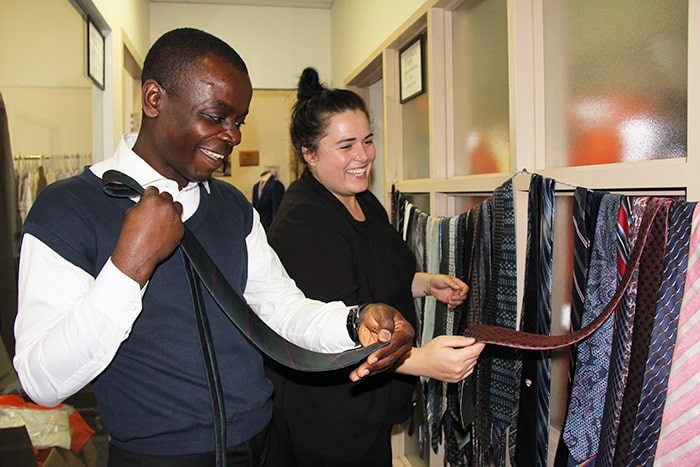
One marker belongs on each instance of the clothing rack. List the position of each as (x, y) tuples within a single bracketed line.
[(35, 171), (22, 157), (448, 418)]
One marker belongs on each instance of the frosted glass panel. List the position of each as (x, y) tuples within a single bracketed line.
[(416, 144), (480, 77), (615, 80)]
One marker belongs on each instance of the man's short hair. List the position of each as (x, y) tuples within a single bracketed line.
[(179, 51)]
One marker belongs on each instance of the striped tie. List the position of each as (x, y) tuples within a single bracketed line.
[(679, 440), (581, 216)]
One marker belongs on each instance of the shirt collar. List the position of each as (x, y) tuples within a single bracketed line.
[(127, 161)]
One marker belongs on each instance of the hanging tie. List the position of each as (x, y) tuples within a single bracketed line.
[(584, 215), (433, 325), (458, 436), (629, 220), (582, 428), (437, 390), (498, 369), (474, 402), (647, 293), (532, 433), (663, 336), (679, 440)]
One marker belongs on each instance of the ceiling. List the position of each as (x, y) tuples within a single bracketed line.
[(322, 4)]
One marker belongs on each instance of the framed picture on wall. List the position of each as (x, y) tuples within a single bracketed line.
[(411, 70), (95, 54)]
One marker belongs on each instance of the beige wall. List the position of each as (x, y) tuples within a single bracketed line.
[(42, 80), (267, 131), (128, 22), (276, 43), (359, 27), (51, 102)]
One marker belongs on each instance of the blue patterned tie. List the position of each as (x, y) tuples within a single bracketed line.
[(532, 434), (582, 427), (582, 213), (497, 370)]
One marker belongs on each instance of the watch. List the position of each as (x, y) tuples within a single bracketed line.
[(353, 322)]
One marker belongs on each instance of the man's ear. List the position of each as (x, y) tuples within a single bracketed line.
[(309, 156), (152, 95)]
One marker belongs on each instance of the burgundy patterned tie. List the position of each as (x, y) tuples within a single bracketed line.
[(650, 274), (622, 337)]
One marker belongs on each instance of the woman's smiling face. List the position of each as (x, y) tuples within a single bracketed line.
[(345, 154)]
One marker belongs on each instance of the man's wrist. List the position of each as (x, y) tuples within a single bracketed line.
[(353, 322)]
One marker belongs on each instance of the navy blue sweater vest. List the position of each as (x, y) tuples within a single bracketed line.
[(153, 397)]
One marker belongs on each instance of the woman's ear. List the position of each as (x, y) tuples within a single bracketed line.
[(152, 94), (309, 156)]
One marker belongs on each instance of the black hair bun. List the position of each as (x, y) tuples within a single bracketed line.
[(309, 84)]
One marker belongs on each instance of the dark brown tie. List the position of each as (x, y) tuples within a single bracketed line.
[(234, 306)]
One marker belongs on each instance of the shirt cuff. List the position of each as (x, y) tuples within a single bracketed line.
[(119, 295)]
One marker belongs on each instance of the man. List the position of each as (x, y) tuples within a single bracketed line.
[(104, 300)]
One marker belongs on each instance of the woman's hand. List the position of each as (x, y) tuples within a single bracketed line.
[(444, 358), (446, 289)]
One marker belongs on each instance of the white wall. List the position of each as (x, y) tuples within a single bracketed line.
[(276, 43)]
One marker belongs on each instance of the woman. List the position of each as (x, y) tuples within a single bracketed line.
[(335, 240)]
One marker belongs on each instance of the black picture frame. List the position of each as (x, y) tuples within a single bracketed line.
[(411, 69), (95, 54)]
